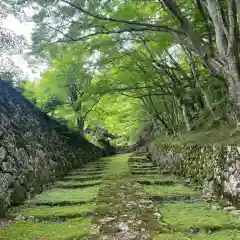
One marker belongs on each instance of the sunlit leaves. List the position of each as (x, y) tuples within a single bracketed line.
[(125, 79)]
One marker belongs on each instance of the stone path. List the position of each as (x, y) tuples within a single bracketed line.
[(120, 197)]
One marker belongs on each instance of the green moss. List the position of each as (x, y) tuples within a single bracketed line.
[(55, 211), (89, 169), (171, 236), (75, 228), (181, 216), (175, 190), (70, 195), (221, 235), (22, 230), (86, 172), (158, 178), (80, 176), (116, 197), (118, 165), (221, 135), (146, 171), (76, 183), (142, 166)]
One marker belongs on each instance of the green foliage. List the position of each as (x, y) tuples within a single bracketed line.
[(118, 165), (168, 191), (69, 184), (182, 215), (29, 90), (44, 212), (70, 229), (124, 65), (69, 195), (221, 235)]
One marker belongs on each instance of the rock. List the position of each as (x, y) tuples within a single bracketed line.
[(232, 169), (187, 181), (224, 203), (216, 207), (123, 226), (18, 194), (158, 215), (3, 154), (108, 229), (238, 165), (193, 230), (235, 212), (229, 208), (31, 218), (107, 220), (20, 218)]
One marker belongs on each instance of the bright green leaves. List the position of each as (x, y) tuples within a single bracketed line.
[(118, 76), (118, 114)]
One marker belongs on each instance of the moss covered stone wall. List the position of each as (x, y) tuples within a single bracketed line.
[(215, 167), (34, 148)]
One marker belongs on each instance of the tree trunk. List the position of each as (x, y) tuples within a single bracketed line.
[(220, 31), (226, 63), (179, 102), (226, 42), (185, 117), (186, 26), (80, 124), (238, 12), (175, 120), (199, 85)]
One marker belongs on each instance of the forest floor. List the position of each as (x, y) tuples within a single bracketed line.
[(120, 197), (222, 134)]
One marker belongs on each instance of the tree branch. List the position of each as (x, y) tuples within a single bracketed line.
[(145, 95), (91, 108), (238, 11), (129, 30), (126, 89), (231, 22), (160, 28), (221, 32), (207, 25), (186, 26)]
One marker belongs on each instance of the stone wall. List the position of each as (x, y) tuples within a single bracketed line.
[(34, 148), (214, 167)]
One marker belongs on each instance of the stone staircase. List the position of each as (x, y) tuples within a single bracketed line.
[(121, 197)]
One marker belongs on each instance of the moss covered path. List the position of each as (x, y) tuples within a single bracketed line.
[(120, 197)]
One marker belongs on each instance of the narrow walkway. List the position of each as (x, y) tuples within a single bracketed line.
[(120, 197)]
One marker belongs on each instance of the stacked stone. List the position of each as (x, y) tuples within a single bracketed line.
[(215, 167), (34, 148)]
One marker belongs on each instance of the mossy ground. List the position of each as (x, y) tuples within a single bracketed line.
[(72, 184), (66, 195), (62, 212), (222, 134), (175, 190), (121, 211), (24, 230), (221, 235), (198, 215), (53, 212), (82, 176), (183, 219), (69, 211)]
